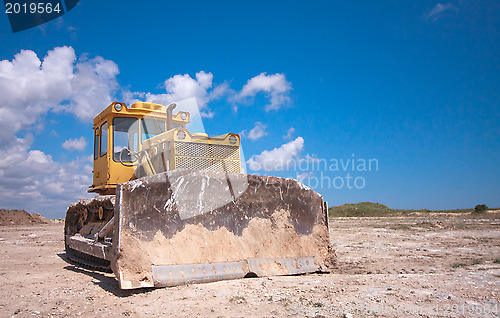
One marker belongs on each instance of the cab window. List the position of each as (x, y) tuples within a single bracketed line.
[(151, 127), (96, 144), (125, 136), (104, 139)]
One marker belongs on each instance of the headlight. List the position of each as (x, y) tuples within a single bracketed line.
[(181, 135), (233, 140), (118, 107), (184, 116)]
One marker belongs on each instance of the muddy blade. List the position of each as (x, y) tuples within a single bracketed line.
[(184, 227)]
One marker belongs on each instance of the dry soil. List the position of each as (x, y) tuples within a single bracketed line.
[(421, 265)]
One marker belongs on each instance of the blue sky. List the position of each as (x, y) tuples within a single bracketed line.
[(414, 85)]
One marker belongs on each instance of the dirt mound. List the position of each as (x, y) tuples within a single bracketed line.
[(21, 217)]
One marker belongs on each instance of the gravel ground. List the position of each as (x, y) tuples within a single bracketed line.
[(421, 265)]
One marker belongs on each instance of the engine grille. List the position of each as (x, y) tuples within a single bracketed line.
[(193, 149), (201, 156)]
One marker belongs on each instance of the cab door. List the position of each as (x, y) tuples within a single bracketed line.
[(101, 142)]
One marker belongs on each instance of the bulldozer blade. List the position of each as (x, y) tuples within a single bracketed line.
[(184, 226)]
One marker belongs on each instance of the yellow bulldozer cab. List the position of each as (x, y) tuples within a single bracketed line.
[(121, 131)]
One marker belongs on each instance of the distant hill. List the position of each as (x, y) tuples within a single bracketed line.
[(360, 209), (21, 217), (377, 209)]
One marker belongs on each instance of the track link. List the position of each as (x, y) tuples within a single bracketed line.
[(88, 261)]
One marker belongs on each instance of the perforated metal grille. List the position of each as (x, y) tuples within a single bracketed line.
[(227, 165), (199, 156), (193, 163), (197, 163), (223, 151), (206, 150)]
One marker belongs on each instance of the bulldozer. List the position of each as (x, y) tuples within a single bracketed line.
[(173, 207)]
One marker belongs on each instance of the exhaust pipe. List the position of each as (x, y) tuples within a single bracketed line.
[(170, 108)]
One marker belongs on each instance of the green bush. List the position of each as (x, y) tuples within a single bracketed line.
[(480, 208)]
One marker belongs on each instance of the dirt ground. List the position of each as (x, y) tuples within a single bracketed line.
[(429, 266)]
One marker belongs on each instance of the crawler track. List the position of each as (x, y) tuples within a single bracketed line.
[(87, 217), (88, 261)]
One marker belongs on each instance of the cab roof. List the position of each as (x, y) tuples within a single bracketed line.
[(138, 110)]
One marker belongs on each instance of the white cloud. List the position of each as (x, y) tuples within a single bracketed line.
[(220, 91), (32, 180), (255, 133), (289, 133), (92, 87), (181, 87), (438, 10), (279, 158), (29, 88), (75, 144), (275, 86)]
